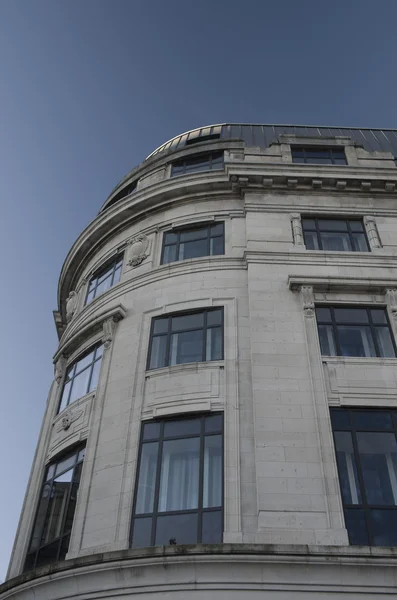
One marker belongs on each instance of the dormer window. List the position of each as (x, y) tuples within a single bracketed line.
[(208, 161), (318, 155)]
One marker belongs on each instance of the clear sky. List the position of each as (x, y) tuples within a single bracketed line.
[(90, 87)]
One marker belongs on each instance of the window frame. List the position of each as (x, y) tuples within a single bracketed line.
[(77, 450), (193, 227), (320, 148), (169, 333), (156, 496), (109, 265), (369, 324), (94, 348), (184, 162), (318, 232), (364, 504)]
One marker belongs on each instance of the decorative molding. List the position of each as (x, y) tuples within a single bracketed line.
[(71, 305), (59, 369), (347, 284), (391, 299), (297, 232), (308, 300), (239, 182), (67, 419), (372, 232), (137, 250), (108, 327)]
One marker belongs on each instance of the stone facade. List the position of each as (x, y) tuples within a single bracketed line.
[(284, 531)]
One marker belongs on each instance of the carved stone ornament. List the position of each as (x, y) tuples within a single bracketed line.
[(71, 305), (308, 300), (297, 232), (108, 330), (138, 246), (67, 420), (59, 369), (391, 298), (372, 232)]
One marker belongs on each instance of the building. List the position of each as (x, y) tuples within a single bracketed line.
[(222, 421)]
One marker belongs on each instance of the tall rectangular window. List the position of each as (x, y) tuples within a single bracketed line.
[(105, 278), (54, 517), (208, 161), (179, 489), (366, 452), (339, 235), (354, 331), (186, 337), (81, 376), (318, 155), (204, 240)]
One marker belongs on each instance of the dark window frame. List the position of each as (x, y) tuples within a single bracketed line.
[(331, 151), (169, 333), (369, 323), (73, 364), (319, 231), (363, 505), (203, 138), (109, 266), (77, 451), (161, 439), (188, 160), (193, 227)]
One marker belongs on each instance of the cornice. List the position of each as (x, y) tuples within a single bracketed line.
[(315, 257), (334, 284)]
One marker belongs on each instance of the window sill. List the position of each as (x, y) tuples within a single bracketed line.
[(194, 366), (359, 360)]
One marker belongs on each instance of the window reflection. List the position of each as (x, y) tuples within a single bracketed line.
[(81, 377)]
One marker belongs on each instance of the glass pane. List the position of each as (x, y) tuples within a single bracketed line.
[(57, 506), (351, 315), (360, 242), (217, 229), (212, 484), (339, 161), (48, 554), (29, 562), (356, 527), (193, 249), (378, 456), (385, 343), (384, 527), (214, 317), (176, 529), (147, 478), (371, 419), (194, 234), (71, 508), (337, 242), (332, 225), (340, 419), (217, 163), (64, 547), (213, 423), (327, 341), (323, 314), (197, 165), (317, 152), (347, 468), (105, 274), (158, 352), (40, 518), (356, 226), (169, 254), (311, 240), (116, 276), (151, 431), (216, 246), (355, 340), (81, 455), (65, 464), (182, 427), (84, 362), (177, 169), (184, 322), (104, 285), (80, 385), (95, 375), (170, 237), (99, 351), (378, 315), (186, 347), (308, 224), (214, 344), (65, 396), (142, 533), (90, 296), (318, 161), (179, 482), (212, 527), (160, 325), (50, 472)]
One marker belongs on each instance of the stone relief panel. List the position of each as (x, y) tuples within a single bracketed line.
[(184, 388), (138, 248), (71, 425)]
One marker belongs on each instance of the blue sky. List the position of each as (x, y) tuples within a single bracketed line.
[(90, 87)]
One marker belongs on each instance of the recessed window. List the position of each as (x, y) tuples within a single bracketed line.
[(104, 278), (354, 331), (54, 517), (210, 161), (318, 155), (186, 337), (202, 138), (366, 452), (339, 235), (126, 191), (81, 377), (207, 240), (179, 490)]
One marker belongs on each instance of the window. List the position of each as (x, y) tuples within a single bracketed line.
[(366, 452), (126, 191), (318, 155), (202, 138), (54, 517), (81, 377), (186, 337), (354, 331), (341, 235), (198, 162), (179, 491), (105, 278), (206, 240)]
